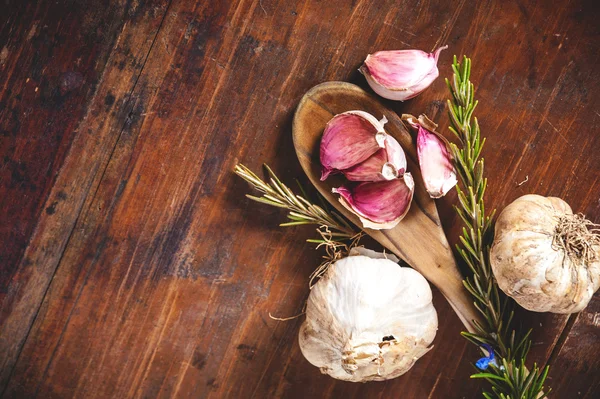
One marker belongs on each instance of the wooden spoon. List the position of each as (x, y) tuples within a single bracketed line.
[(419, 238)]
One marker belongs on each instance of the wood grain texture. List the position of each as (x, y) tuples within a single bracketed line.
[(576, 374), (152, 275), (61, 74)]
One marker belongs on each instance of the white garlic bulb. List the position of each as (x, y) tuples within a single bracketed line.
[(368, 319), (545, 257)]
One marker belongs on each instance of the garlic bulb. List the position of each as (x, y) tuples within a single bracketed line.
[(401, 74), (545, 257), (368, 319)]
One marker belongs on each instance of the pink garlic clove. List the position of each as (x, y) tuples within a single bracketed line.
[(349, 139), (379, 205), (435, 161), (396, 155), (401, 74), (386, 164)]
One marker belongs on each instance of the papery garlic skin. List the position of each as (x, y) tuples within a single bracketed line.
[(349, 139), (379, 205), (435, 161), (368, 319), (386, 164), (529, 265), (401, 74)]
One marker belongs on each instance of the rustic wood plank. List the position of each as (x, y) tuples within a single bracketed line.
[(51, 60), (144, 259), (102, 60), (168, 278), (538, 72), (575, 369)]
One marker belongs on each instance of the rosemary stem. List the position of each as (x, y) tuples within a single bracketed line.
[(509, 378)]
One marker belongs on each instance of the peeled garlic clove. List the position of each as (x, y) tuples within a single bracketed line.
[(401, 74), (368, 319), (435, 161), (386, 164), (349, 139), (379, 205)]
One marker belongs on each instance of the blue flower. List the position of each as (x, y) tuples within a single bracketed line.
[(484, 362)]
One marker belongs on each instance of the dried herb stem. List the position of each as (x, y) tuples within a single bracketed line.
[(301, 210), (336, 235)]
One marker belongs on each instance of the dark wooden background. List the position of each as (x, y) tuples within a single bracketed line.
[(131, 263)]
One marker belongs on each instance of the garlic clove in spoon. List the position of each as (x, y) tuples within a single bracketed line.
[(401, 74), (349, 139), (435, 161), (368, 319), (386, 164), (379, 205)]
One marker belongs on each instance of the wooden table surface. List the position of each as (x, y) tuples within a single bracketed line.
[(132, 265)]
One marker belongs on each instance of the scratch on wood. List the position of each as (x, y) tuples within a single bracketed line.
[(446, 33), (155, 339), (164, 40), (524, 181), (437, 380), (403, 42), (263, 8), (277, 348), (356, 7), (553, 127), (398, 28), (221, 80), (556, 89)]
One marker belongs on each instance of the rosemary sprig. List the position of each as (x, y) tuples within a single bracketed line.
[(509, 378), (336, 235), (301, 210)]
